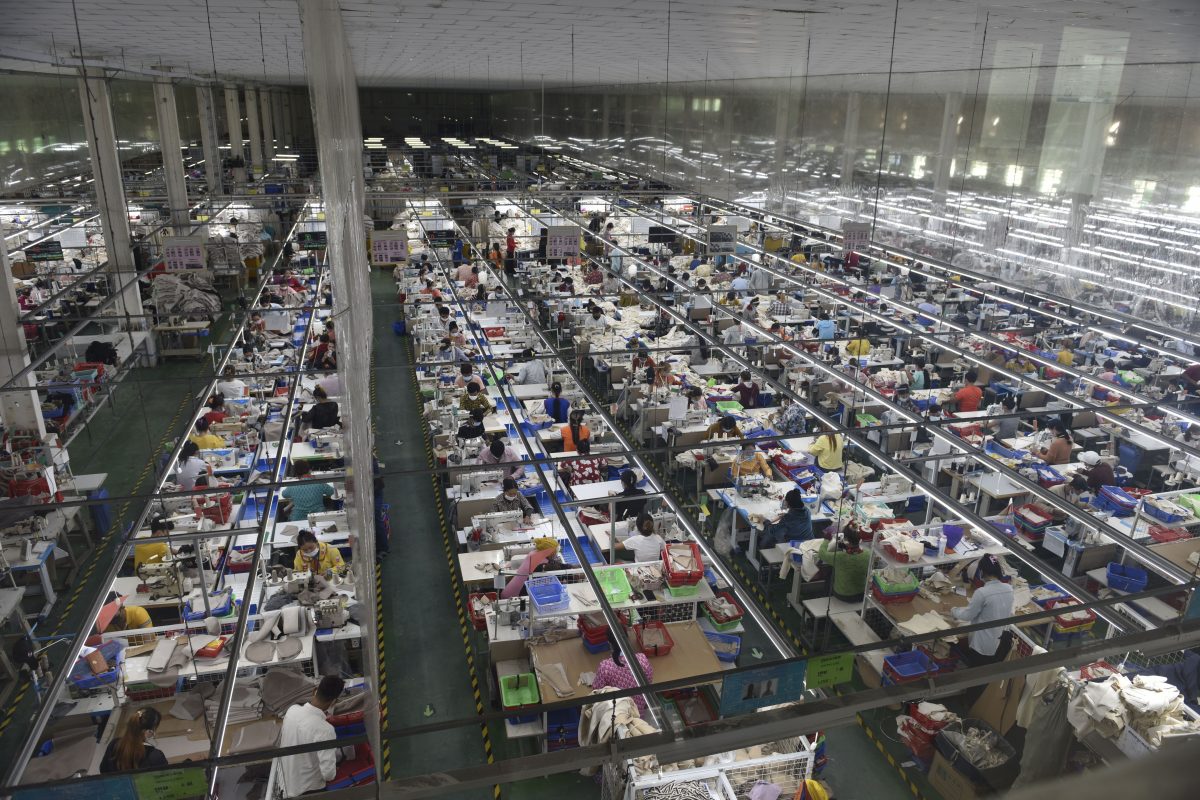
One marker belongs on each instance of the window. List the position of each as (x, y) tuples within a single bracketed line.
[(979, 169), (1050, 180), (1013, 175)]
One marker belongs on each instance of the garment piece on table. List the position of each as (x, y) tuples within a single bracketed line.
[(555, 675), (288, 647), (1097, 707), (283, 687), (187, 706), (586, 678), (163, 650), (165, 678), (260, 652), (928, 622), (808, 567), (266, 627), (260, 735)]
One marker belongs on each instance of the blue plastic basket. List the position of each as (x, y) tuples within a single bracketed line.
[(909, 666), (1054, 588), (725, 638), (567, 553), (81, 675), (1126, 577), (547, 594), (595, 649)]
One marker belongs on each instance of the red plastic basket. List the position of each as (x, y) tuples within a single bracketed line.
[(1160, 534), (1066, 624), (653, 650), (596, 632), (478, 619), (684, 577), (720, 618), (494, 333), (895, 554), (888, 599)]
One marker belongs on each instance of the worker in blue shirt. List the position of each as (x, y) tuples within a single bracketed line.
[(826, 328), (795, 524)]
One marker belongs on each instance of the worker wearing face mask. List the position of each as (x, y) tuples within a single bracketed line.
[(511, 499), (319, 558), (794, 524)]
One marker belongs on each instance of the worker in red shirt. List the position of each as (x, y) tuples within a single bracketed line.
[(510, 252), (969, 396)]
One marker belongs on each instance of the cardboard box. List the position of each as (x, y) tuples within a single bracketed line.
[(949, 782), (23, 269)]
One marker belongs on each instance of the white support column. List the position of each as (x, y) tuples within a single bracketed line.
[(333, 95), (947, 144), (209, 139), (628, 148), (110, 193), (850, 140), (19, 409), (233, 121), (172, 154), (783, 113), (255, 130), (604, 119), (268, 128)]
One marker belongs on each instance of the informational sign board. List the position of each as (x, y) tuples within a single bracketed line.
[(176, 784), (44, 251), (722, 240), (562, 241), (856, 236), (830, 670), (744, 692), (389, 247), (184, 253), (311, 240), (117, 787)]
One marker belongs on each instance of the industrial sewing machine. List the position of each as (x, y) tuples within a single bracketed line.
[(164, 578), (329, 444), (518, 549), (297, 581), (751, 485), (224, 458), (495, 523), (332, 520), (470, 483), (331, 613)]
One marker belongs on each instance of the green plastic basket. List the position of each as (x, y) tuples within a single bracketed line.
[(684, 591), (899, 587), (729, 405), (615, 583), (1191, 502), (517, 691), (720, 627)]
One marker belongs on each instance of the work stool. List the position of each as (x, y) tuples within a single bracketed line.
[(816, 613)]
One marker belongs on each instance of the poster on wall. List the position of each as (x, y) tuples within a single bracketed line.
[(856, 236), (722, 240), (44, 251), (311, 240), (562, 241), (389, 247), (184, 252), (744, 692)]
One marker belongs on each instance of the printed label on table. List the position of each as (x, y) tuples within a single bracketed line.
[(184, 252), (830, 670)]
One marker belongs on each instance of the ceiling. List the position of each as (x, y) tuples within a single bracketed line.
[(512, 43)]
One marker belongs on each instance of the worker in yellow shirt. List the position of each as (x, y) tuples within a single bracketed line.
[(205, 440), (153, 551), (116, 616), (859, 346), (1066, 356), (319, 558)]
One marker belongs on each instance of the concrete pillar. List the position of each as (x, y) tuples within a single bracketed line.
[(110, 194), (255, 131), (1089, 164), (233, 121), (268, 128), (628, 125), (947, 144), (20, 409), (604, 118), (209, 139), (172, 154), (850, 140), (333, 96)]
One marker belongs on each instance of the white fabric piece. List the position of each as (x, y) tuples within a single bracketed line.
[(266, 627), (291, 619), (929, 622), (163, 649)]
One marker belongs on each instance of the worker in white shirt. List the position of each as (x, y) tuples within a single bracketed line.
[(760, 281), (597, 320), (230, 385), (332, 384), (701, 299), (734, 334), (532, 370), (306, 724), (991, 602)]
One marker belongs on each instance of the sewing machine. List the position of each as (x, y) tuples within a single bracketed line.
[(520, 549), (225, 458), (751, 485), (882, 353), (331, 613), (297, 581), (329, 520), (664, 523), (32, 527), (490, 524), (470, 483), (164, 579), (327, 443)]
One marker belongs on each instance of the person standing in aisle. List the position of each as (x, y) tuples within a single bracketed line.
[(306, 724), (614, 672), (130, 751), (991, 602), (510, 252)]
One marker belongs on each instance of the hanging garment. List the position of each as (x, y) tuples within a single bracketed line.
[(1049, 737)]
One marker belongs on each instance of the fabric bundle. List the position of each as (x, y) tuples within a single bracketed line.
[(679, 790), (282, 688), (245, 705)]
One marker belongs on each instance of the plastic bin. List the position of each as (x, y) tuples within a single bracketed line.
[(547, 594), (688, 590), (725, 639), (1126, 577), (1161, 534), (1057, 590), (999, 777), (615, 583), (83, 679), (683, 577), (1063, 625), (519, 692), (898, 587), (653, 638), (479, 620), (595, 648), (720, 622), (910, 666)]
